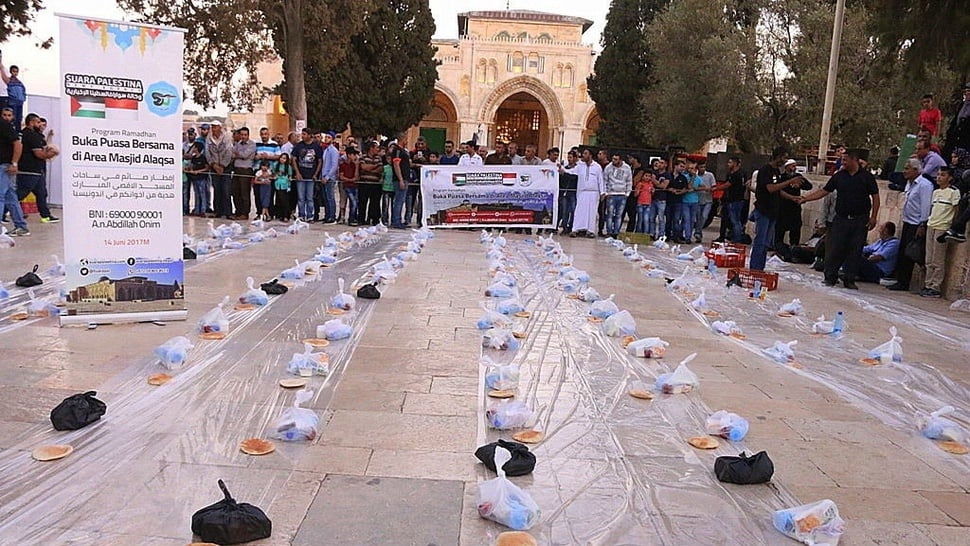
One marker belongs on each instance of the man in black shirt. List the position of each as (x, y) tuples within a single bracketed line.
[(33, 167), (10, 150), (732, 202), (768, 197), (856, 207), (567, 192), (400, 161), (790, 210)]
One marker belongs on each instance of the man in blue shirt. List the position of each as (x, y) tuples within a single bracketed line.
[(880, 256), (916, 212), (328, 179)]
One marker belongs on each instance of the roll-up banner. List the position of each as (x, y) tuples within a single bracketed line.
[(121, 115), (489, 196)]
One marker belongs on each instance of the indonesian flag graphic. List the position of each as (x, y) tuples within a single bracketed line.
[(124, 109), (87, 107)]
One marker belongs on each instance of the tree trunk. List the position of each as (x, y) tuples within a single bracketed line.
[(293, 72)]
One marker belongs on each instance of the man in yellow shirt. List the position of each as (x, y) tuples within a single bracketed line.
[(945, 201)]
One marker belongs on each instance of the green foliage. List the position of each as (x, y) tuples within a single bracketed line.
[(385, 82), (15, 16), (925, 34), (624, 70)]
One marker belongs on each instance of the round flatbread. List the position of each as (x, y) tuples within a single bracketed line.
[(293, 383), (785, 314), (795, 365), (51, 453), (528, 436), (515, 538), (703, 442), (212, 335), (737, 335), (711, 314), (518, 335), (523, 314), (256, 446), (159, 379), (19, 316), (244, 307), (572, 296), (335, 311), (627, 340), (641, 394), (316, 342), (594, 320), (288, 284), (955, 448), (870, 361), (504, 393)]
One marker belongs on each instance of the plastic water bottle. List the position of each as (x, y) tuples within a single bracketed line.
[(738, 430), (712, 267), (757, 289), (839, 324)]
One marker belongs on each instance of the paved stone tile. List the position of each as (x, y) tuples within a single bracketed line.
[(860, 532), (432, 465), (943, 535), (388, 381), (333, 459), (890, 505), (441, 404), (956, 505), (454, 385), (883, 464), (365, 398), (371, 510), (381, 430)]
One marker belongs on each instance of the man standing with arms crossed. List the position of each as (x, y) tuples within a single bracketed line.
[(218, 154), (10, 150)]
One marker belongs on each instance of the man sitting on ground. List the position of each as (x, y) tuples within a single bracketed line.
[(880, 257)]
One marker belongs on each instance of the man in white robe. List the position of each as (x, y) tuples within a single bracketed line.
[(589, 191)]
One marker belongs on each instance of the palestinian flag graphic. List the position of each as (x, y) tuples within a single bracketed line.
[(87, 107)]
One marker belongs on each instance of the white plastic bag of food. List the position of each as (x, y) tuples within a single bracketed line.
[(236, 228), (342, 300), (500, 377), (334, 329), (492, 319), (297, 424), (308, 363), (781, 351), (502, 501), (620, 324), (271, 233), (725, 327), (57, 269), (569, 286), (681, 381), (4, 293), (39, 307), (700, 303), (936, 426), (509, 306), (815, 524), (604, 308), (256, 237), (203, 247), (6, 241), (681, 282), (890, 351), (630, 251), (295, 272), (500, 339), (215, 319), (507, 414), (648, 347), (589, 295), (504, 278), (327, 256), (499, 290), (794, 307), (253, 295), (297, 226), (727, 425), (229, 244), (173, 352)]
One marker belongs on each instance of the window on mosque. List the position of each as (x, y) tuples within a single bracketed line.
[(480, 71), (567, 76), (503, 36), (536, 63), (516, 60), (490, 73)]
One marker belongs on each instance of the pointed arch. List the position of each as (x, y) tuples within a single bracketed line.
[(533, 86)]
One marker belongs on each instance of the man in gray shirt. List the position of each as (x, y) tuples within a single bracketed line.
[(618, 182), (218, 154), (243, 154), (705, 199)]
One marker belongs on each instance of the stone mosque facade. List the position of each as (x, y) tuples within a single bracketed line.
[(514, 75)]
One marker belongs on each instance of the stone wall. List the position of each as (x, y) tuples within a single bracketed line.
[(956, 284)]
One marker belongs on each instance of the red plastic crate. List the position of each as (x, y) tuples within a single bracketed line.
[(734, 255), (749, 276)]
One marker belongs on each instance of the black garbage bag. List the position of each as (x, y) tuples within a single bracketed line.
[(77, 411), (230, 522), (274, 288), (744, 470), (29, 279), (369, 292), (522, 462), (188, 254)]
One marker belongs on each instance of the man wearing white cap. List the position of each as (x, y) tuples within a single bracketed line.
[(789, 210)]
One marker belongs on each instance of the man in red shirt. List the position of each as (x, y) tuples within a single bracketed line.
[(929, 116)]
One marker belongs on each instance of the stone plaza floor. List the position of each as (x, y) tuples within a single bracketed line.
[(403, 408)]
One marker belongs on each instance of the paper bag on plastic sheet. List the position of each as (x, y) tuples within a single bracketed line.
[(744, 470), (727, 425), (500, 339), (794, 307), (77, 411), (502, 501), (604, 308), (508, 414), (6, 241), (215, 319), (492, 319), (295, 272), (782, 352), (307, 363), (648, 347), (342, 300), (274, 288), (725, 327), (891, 350), (297, 424), (589, 295), (817, 523), (936, 426), (700, 303), (369, 292), (253, 295), (509, 306), (681, 381), (620, 324), (230, 522), (500, 377), (29, 279), (499, 290), (334, 329), (522, 462), (172, 353)]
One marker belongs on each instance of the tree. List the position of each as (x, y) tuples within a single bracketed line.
[(15, 15), (385, 83), (925, 34), (624, 70)]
